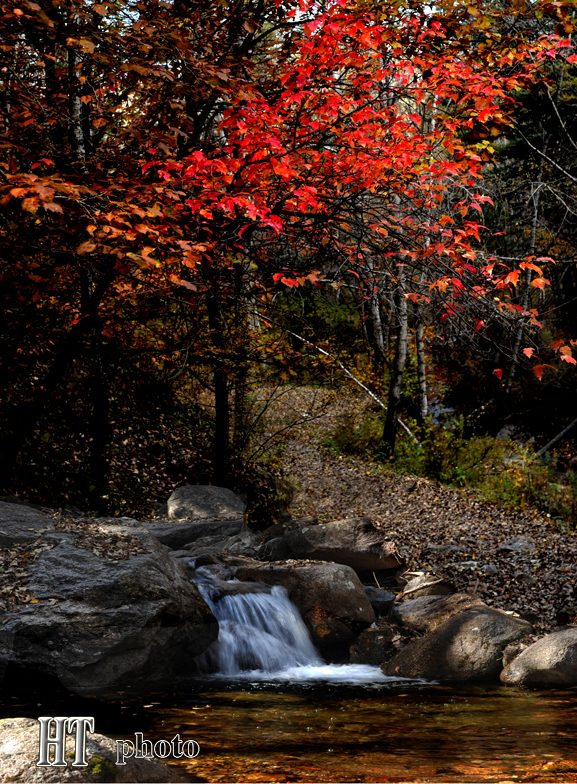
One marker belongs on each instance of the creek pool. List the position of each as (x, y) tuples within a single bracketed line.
[(262, 731), (374, 733)]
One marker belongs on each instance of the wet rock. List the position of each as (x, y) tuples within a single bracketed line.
[(201, 502), (102, 628), (329, 596), (467, 647), (549, 662), (20, 524), (19, 755), (427, 613), (373, 645), (355, 543)]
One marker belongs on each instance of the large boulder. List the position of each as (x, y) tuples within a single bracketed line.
[(355, 543), (21, 524), (205, 502), (19, 755), (427, 613), (549, 662), (466, 647), (329, 596), (102, 627)]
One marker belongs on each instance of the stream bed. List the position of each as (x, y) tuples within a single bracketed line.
[(385, 732)]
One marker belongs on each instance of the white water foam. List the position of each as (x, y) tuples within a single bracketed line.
[(345, 674)]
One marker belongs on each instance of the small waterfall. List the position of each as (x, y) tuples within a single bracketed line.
[(263, 637), (257, 631)]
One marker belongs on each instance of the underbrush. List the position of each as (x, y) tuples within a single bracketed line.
[(501, 470)]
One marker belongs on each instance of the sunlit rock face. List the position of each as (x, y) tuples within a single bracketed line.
[(467, 647), (549, 662)]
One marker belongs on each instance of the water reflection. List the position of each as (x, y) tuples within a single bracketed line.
[(422, 733)]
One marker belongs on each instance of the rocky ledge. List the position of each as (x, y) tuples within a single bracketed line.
[(105, 608)]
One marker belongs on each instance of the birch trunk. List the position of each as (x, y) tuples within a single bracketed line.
[(398, 369)]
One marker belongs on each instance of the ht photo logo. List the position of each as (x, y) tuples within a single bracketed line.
[(55, 729), (53, 732)]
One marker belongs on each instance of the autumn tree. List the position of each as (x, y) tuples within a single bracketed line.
[(168, 163)]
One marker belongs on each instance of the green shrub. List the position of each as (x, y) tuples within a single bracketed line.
[(499, 470)]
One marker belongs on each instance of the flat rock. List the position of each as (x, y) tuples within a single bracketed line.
[(521, 544), (468, 647), (19, 755), (177, 535), (20, 524), (202, 502), (426, 613), (355, 543), (549, 662), (426, 585)]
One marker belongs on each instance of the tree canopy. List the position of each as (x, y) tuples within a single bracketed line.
[(175, 175)]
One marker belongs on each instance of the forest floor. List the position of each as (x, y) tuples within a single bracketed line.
[(518, 560)]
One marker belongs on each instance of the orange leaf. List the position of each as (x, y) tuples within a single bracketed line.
[(528, 352), (86, 247), (540, 283), (538, 370)]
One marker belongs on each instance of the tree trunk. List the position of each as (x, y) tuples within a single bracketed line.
[(398, 369), (217, 327), (536, 198), (421, 371), (25, 416)]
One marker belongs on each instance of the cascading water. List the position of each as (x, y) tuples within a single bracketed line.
[(260, 631), (263, 637)]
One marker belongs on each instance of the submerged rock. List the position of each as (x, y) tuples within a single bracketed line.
[(549, 662), (466, 647)]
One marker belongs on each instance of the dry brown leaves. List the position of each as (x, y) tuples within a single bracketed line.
[(513, 560)]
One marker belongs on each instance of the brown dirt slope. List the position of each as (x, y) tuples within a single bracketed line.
[(516, 560)]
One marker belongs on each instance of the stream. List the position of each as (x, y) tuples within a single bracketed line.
[(274, 711), (323, 733), (266, 708)]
